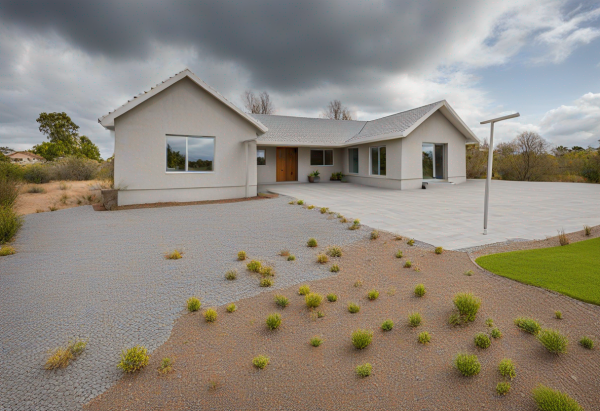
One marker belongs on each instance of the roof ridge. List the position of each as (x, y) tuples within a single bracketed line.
[(309, 118), (405, 111)]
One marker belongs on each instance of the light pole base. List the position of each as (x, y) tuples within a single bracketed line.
[(485, 231)]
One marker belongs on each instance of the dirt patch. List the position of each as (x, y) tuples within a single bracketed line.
[(260, 196), (57, 195), (213, 361)]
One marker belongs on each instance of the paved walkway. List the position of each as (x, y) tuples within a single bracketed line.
[(103, 276), (451, 216)]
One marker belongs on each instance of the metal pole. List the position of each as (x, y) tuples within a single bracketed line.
[(488, 179)]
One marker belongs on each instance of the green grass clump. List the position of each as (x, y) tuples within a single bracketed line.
[(334, 268), (61, 356), (282, 301), (260, 361), (334, 251), (373, 295), (134, 359), (242, 255), (324, 210), (362, 338), (467, 364), (587, 342), (502, 388), (489, 322), (310, 207), (414, 319), (548, 399), (411, 242), (454, 319), (193, 304), (311, 242), (364, 370), (467, 305), (273, 321), (175, 255), (267, 271), (291, 257), (570, 270), (387, 325), (482, 340), (553, 340), (468, 273), (266, 282), (254, 266), (331, 298), (166, 366), (36, 190), (210, 315), (353, 308), (420, 290), (399, 254), (300, 202), (322, 258), (528, 324), (558, 315), (374, 235), (7, 250), (424, 337), (496, 333), (231, 275), (507, 368), (407, 264), (313, 300), (316, 341), (231, 308), (439, 250), (303, 290)]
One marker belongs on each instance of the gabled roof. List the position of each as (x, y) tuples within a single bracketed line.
[(108, 121), (284, 130), (26, 153)]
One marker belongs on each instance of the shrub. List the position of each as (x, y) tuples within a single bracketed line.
[(364, 370), (343, 219), (482, 340), (407, 264), (587, 230), (313, 300), (320, 314), (282, 300), (61, 356), (254, 266), (74, 168), (489, 322), (562, 237), (322, 258), (241, 255), (284, 253), (502, 388), (266, 282), (273, 321), (358, 283), (353, 308), (310, 207), (231, 308), (291, 257), (11, 171), (496, 333), (231, 275), (7, 250), (387, 325), (193, 304), (439, 250), (260, 361), (587, 342), (468, 365), (210, 315), (316, 341), (324, 210), (175, 255), (356, 222), (303, 289), (424, 337), (64, 198), (399, 254), (362, 338), (300, 202), (37, 173), (267, 271), (411, 242), (10, 223), (9, 191), (469, 273), (558, 315), (134, 359), (414, 319), (335, 268), (36, 190), (454, 319), (331, 298), (374, 235), (553, 340), (507, 368), (420, 290), (63, 186), (334, 251), (311, 242), (548, 399), (373, 295), (467, 305), (528, 324), (166, 366)]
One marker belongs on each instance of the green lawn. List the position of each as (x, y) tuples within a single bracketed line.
[(573, 270)]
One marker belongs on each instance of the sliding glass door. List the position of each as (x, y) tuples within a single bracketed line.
[(434, 161)]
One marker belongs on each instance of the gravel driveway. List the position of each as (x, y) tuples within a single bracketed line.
[(103, 276)]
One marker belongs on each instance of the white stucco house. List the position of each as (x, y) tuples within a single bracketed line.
[(183, 141)]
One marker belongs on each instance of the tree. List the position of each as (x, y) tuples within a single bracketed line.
[(336, 111), (525, 158), (58, 127), (89, 149), (3, 158), (477, 157), (260, 104)]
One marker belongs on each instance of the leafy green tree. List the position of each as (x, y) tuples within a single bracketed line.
[(3, 158), (89, 149)]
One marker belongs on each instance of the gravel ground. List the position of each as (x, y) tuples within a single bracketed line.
[(103, 276), (212, 361)]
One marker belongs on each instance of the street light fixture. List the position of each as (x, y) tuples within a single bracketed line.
[(488, 180)]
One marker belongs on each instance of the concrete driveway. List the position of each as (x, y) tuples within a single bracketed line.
[(451, 216)]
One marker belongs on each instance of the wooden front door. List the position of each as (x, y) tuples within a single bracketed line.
[(287, 164)]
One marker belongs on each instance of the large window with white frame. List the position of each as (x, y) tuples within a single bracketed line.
[(353, 160), (321, 157), (190, 154), (378, 161)]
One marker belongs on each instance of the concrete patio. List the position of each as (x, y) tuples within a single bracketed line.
[(451, 216)]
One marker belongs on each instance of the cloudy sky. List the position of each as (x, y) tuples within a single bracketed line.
[(487, 58)]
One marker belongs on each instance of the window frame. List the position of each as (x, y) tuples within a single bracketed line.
[(323, 150), (378, 161), (357, 160), (186, 171), (264, 156)]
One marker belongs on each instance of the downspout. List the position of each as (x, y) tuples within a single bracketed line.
[(246, 143)]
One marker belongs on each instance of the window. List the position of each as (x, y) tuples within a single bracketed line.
[(261, 158), (321, 157), (378, 161), (353, 160), (190, 154), (433, 161)]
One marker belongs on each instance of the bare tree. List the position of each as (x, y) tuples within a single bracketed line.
[(260, 104), (336, 111), (525, 158)]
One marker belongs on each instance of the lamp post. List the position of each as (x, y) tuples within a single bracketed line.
[(488, 180)]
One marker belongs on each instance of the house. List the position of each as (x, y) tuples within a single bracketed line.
[(183, 141), (25, 157)]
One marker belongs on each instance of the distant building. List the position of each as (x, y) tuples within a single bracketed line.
[(25, 157)]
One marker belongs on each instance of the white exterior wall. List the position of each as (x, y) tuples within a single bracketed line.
[(393, 177), (182, 109)]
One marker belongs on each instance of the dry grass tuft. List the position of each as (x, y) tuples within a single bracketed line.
[(562, 237), (175, 255)]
